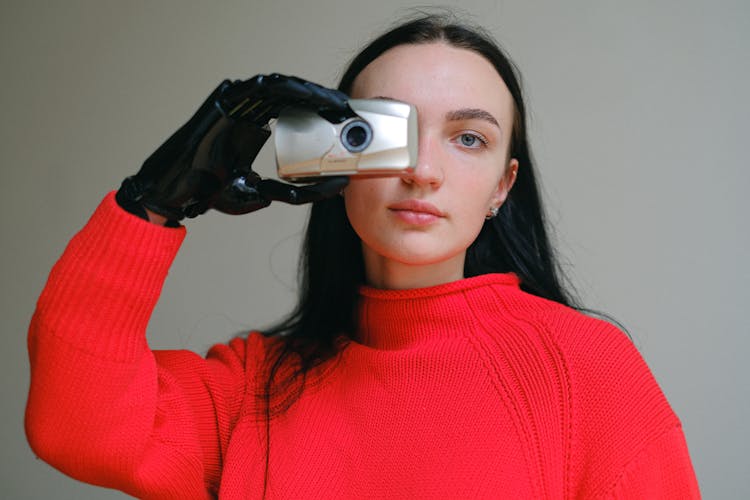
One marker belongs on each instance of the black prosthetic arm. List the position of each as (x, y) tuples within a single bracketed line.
[(207, 163)]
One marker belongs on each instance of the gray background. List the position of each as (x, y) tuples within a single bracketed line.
[(639, 124)]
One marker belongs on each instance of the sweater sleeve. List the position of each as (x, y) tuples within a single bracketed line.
[(627, 441), (102, 406), (661, 470)]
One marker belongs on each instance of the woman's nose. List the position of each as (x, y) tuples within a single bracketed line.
[(429, 168)]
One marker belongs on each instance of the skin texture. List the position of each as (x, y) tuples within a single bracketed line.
[(155, 218), (415, 229)]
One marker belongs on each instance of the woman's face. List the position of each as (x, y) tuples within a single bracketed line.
[(415, 229)]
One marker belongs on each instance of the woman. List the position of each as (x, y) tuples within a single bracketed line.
[(443, 361)]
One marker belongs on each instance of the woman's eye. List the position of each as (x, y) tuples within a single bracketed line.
[(471, 140)]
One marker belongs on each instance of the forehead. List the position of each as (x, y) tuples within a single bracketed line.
[(436, 77)]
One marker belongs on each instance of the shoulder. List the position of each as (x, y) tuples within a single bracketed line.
[(248, 351), (618, 412), (582, 352), (603, 365), (594, 350), (583, 381), (603, 361)]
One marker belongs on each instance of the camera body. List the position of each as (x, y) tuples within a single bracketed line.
[(380, 140)]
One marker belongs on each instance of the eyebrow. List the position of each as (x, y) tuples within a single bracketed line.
[(462, 114), (471, 114)]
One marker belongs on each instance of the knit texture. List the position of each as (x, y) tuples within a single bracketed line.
[(471, 389)]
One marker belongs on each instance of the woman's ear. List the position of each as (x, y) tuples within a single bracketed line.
[(506, 183)]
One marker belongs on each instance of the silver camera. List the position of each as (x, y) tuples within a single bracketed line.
[(380, 140)]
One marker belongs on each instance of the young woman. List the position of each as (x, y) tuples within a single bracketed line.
[(433, 354)]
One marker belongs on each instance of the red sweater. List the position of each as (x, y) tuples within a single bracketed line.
[(472, 389)]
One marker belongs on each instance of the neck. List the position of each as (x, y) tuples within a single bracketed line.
[(384, 273)]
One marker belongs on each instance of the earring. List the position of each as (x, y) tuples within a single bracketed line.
[(492, 213)]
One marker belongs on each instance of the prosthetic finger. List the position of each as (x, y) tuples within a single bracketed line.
[(272, 189), (262, 97), (241, 196)]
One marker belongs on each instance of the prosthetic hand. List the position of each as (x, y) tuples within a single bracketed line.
[(207, 163)]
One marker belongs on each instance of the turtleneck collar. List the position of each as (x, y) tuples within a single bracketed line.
[(398, 319)]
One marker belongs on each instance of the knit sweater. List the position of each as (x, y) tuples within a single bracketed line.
[(470, 389)]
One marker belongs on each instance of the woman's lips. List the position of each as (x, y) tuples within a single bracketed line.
[(416, 212)]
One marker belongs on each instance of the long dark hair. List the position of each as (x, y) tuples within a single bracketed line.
[(331, 266)]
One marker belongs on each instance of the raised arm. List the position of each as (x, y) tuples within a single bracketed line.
[(103, 407)]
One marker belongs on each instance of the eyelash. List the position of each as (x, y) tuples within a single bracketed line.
[(479, 137)]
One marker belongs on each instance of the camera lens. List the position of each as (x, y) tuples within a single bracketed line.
[(356, 136)]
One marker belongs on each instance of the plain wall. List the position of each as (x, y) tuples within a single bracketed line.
[(639, 123)]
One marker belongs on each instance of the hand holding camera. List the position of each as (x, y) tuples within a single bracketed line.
[(207, 163)]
